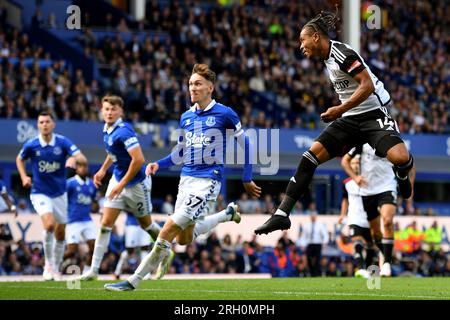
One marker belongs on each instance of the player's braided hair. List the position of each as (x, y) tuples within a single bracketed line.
[(323, 23)]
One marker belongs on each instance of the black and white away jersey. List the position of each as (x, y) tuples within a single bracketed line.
[(355, 213), (377, 172), (343, 64)]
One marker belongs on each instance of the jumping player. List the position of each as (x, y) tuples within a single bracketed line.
[(362, 117)]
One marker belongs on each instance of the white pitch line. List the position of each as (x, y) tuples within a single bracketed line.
[(302, 293)]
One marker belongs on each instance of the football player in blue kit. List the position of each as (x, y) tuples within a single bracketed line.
[(201, 151), (49, 153), (82, 194), (129, 188)]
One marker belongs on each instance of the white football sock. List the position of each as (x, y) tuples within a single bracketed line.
[(101, 246), (210, 222), (160, 250), (153, 230), (122, 259), (58, 254), (48, 248)]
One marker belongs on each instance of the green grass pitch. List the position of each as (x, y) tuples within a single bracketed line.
[(255, 289)]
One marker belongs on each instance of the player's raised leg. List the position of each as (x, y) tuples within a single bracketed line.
[(230, 213), (297, 186), (403, 162)]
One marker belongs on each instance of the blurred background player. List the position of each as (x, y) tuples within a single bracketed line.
[(378, 188), (49, 154), (129, 188), (6, 205), (352, 210), (201, 175), (81, 193), (136, 241), (362, 117)]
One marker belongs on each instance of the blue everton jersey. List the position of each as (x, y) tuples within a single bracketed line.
[(48, 163), (204, 140), (131, 220), (118, 139), (81, 194)]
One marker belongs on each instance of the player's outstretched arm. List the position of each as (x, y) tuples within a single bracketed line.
[(11, 206), (174, 158), (98, 177), (345, 163), (151, 168), (26, 180), (250, 186)]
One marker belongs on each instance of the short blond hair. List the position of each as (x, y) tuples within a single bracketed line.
[(113, 100)]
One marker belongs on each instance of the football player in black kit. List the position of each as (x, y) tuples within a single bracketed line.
[(362, 117)]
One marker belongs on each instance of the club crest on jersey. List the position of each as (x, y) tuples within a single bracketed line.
[(188, 122), (57, 151), (38, 153), (211, 121)]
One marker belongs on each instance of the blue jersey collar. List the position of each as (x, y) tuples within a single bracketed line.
[(44, 143), (111, 128), (209, 106)]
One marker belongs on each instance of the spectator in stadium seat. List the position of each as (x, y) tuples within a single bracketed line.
[(298, 209), (244, 203), (268, 205), (312, 209)]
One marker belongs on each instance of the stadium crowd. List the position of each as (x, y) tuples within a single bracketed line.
[(261, 72)]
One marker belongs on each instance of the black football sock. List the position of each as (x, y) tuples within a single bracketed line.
[(388, 246), (299, 183), (357, 253)]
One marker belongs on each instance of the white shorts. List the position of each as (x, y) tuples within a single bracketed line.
[(77, 232), (195, 200), (136, 237), (136, 199), (57, 206)]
